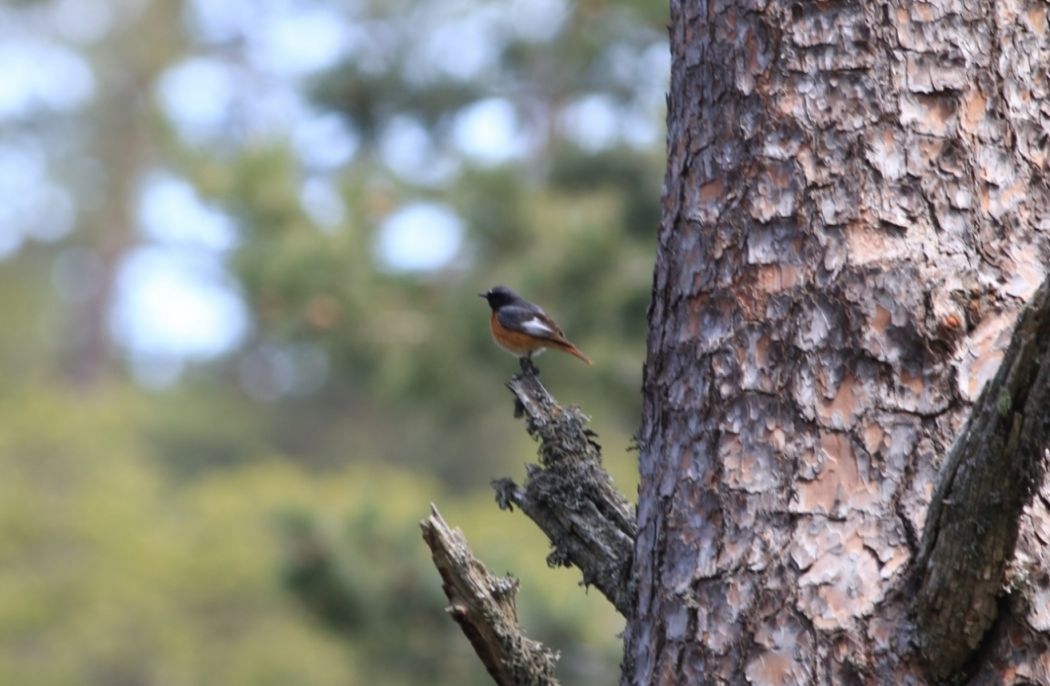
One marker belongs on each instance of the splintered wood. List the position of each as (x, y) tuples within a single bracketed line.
[(483, 606)]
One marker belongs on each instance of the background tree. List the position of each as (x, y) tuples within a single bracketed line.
[(853, 216)]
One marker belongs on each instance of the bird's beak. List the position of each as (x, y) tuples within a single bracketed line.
[(483, 295)]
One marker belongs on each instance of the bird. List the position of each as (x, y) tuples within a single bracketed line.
[(522, 328)]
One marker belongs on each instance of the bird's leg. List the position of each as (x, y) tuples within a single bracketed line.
[(528, 366)]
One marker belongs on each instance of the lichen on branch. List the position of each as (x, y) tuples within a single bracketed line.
[(570, 496)]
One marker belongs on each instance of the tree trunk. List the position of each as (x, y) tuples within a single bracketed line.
[(855, 210)]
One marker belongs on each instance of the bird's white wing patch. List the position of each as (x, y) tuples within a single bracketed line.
[(536, 326)]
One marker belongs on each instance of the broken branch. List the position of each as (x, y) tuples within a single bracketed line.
[(990, 475), (570, 496), (483, 605)]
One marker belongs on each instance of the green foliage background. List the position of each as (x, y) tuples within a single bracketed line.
[(200, 534)]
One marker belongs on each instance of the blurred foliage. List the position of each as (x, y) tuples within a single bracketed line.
[(112, 577), (115, 575), (256, 522), (568, 227)]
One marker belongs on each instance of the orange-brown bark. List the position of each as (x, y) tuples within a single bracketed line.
[(855, 211)]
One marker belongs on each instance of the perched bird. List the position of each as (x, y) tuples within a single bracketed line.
[(523, 328)]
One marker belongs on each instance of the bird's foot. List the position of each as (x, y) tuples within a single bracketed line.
[(529, 367)]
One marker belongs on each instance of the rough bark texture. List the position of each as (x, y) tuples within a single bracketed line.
[(855, 210), (483, 606), (570, 496), (974, 517)]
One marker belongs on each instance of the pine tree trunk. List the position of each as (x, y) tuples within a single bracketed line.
[(855, 211)]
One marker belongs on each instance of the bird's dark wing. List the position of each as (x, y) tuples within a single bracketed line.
[(529, 319)]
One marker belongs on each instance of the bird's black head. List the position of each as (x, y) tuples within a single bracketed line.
[(499, 296)]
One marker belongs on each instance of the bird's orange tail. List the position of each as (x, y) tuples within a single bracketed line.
[(575, 352)]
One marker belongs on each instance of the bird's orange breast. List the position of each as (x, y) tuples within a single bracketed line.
[(514, 341)]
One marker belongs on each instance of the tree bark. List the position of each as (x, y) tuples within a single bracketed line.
[(855, 210)]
